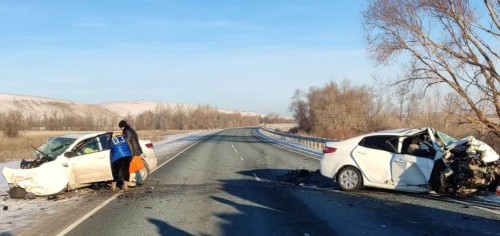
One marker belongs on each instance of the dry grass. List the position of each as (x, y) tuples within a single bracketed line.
[(19, 148)]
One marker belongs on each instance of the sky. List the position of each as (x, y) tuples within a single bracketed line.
[(246, 55)]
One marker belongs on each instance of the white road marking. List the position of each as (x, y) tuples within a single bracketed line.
[(477, 207), (488, 210), (86, 216), (256, 177), (236, 151)]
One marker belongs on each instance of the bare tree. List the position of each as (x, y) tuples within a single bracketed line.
[(12, 123), (454, 42), (300, 109), (334, 111)]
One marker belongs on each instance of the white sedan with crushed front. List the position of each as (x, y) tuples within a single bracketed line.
[(72, 161), (415, 160)]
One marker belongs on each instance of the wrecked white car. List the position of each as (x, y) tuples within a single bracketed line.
[(415, 160), (70, 162)]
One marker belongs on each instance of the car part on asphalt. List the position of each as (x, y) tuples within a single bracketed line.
[(17, 192)]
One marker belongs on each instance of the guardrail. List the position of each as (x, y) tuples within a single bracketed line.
[(316, 143)]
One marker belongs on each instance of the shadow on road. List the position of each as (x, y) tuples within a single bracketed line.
[(165, 229), (299, 210)]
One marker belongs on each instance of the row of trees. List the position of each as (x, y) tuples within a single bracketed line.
[(161, 118), (181, 118), (343, 110)]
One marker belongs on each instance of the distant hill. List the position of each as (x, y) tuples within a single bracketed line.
[(37, 106), (134, 108)]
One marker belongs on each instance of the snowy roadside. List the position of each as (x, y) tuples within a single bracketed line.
[(21, 213)]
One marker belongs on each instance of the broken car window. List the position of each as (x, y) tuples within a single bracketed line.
[(380, 143), (86, 147), (444, 139), (417, 147), (54, 147)]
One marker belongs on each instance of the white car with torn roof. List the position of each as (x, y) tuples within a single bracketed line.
[(413, 160), (72, 161)]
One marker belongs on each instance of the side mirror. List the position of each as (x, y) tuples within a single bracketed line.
[(70, 154)]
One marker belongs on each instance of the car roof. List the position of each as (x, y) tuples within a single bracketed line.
[(81, 135), (399, 132)]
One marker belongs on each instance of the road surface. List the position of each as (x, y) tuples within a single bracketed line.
[(233, 183)]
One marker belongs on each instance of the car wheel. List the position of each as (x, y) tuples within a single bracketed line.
[(438, 183), (144, 171), (349, 179), (492, 187)]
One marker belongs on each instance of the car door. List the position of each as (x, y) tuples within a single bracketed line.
[(439, 149), (89, 167), (413, 169), (373, 157)]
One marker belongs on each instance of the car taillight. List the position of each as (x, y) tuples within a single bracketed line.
[(329, 150), (149, 145)]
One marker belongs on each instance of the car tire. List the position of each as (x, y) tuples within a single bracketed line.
[(492, 187), (438, 183), (349, 179), (144, 171)]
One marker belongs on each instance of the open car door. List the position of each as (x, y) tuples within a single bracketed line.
[(408, 170), (91, 161), (413, 166)]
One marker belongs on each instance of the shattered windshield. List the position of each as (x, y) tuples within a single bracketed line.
[(54, 147), (445, 139)]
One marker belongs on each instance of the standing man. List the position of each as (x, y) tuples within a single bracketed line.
[(133, 142), (120, 160)]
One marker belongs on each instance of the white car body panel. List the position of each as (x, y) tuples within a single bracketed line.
[(410, 170), (49, 178), (380, 169), (488, 154), (148, 155), (90, 168), (373, 164)]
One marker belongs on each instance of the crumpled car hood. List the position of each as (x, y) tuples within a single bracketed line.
[(476, 147), (47, 179)]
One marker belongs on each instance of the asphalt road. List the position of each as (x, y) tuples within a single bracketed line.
[(233, 183)]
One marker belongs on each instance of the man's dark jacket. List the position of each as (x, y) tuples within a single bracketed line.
[(132, 140)]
